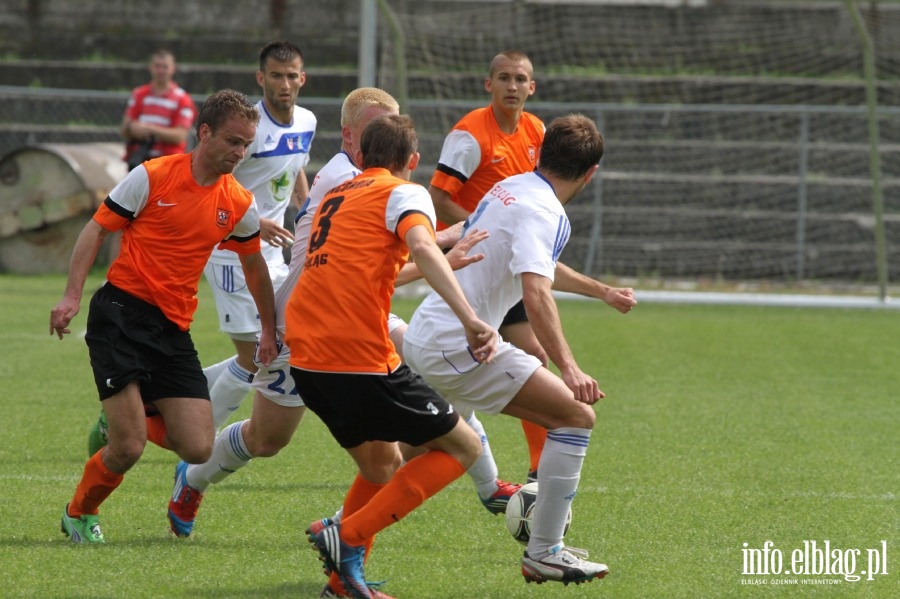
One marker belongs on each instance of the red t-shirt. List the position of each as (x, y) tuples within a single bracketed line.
[(174, 108)]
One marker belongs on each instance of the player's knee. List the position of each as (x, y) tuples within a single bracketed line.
[(582, 416), (381, 463), (393, 465), (265, 448), (469, 447), (196, 453), (409, 452), (475, 447), (380, 473), (121, 456)]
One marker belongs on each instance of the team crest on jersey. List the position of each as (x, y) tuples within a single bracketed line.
[(532, 154), (222, 217), (291, 143), (280, 187)]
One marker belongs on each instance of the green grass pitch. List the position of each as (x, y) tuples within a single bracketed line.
[(722, 426)]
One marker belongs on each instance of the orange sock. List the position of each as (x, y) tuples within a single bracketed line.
[(96, 484), (535, 436), (359, 494), (412, 484), (156, 430)]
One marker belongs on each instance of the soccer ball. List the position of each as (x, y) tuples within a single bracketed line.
[(519, 511)]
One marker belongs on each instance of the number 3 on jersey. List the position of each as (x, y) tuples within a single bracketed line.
[(318, 237)]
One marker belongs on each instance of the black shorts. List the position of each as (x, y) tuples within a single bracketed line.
[(515, 315), (129, 339), (371, 407)]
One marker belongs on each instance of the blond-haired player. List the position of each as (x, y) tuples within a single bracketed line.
[(277, 408)]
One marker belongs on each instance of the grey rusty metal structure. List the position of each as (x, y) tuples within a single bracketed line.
[(47, 193)]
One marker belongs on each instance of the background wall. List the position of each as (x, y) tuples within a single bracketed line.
[(737, 141)]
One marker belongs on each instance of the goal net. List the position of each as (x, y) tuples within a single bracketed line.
[(737, 141)]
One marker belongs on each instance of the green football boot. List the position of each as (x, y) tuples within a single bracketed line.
[(84, 529)]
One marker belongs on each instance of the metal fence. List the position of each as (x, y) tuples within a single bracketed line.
[(719, 193)]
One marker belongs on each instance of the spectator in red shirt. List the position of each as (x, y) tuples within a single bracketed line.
[(159, 115)]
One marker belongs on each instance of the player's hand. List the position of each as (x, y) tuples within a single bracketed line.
[(482, 340), (458, 257), (274, 234), (583, 386), (266, 348), (62, 315), (620, 298)]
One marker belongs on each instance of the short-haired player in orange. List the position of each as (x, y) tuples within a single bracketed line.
[(343, 362)]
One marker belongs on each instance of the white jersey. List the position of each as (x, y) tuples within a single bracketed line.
[(338, 170), (269, 170), (528, 230)]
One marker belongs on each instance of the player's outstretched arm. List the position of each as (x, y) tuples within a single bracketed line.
[(544, 318), (458, 257), (482, 339), (83, 255), (571, 281)]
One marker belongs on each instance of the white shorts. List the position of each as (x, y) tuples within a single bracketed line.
[(234, 304), (275, 383), (469, 385)]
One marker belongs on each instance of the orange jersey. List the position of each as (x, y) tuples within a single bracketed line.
[(476, 154), (170, 225), (337, 315)]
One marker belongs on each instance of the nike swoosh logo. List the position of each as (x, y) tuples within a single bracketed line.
[(498, 159), (163, 204)]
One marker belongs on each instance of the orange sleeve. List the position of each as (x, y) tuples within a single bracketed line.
[(446, 182), (243, 246), (412, 220), (108, 219)]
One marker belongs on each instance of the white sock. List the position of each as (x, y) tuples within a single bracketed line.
[(484, 471), (228, 392), (215, 371), (558, 474), (229, 454)]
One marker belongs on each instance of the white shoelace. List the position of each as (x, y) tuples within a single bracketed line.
[(577, 552)]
